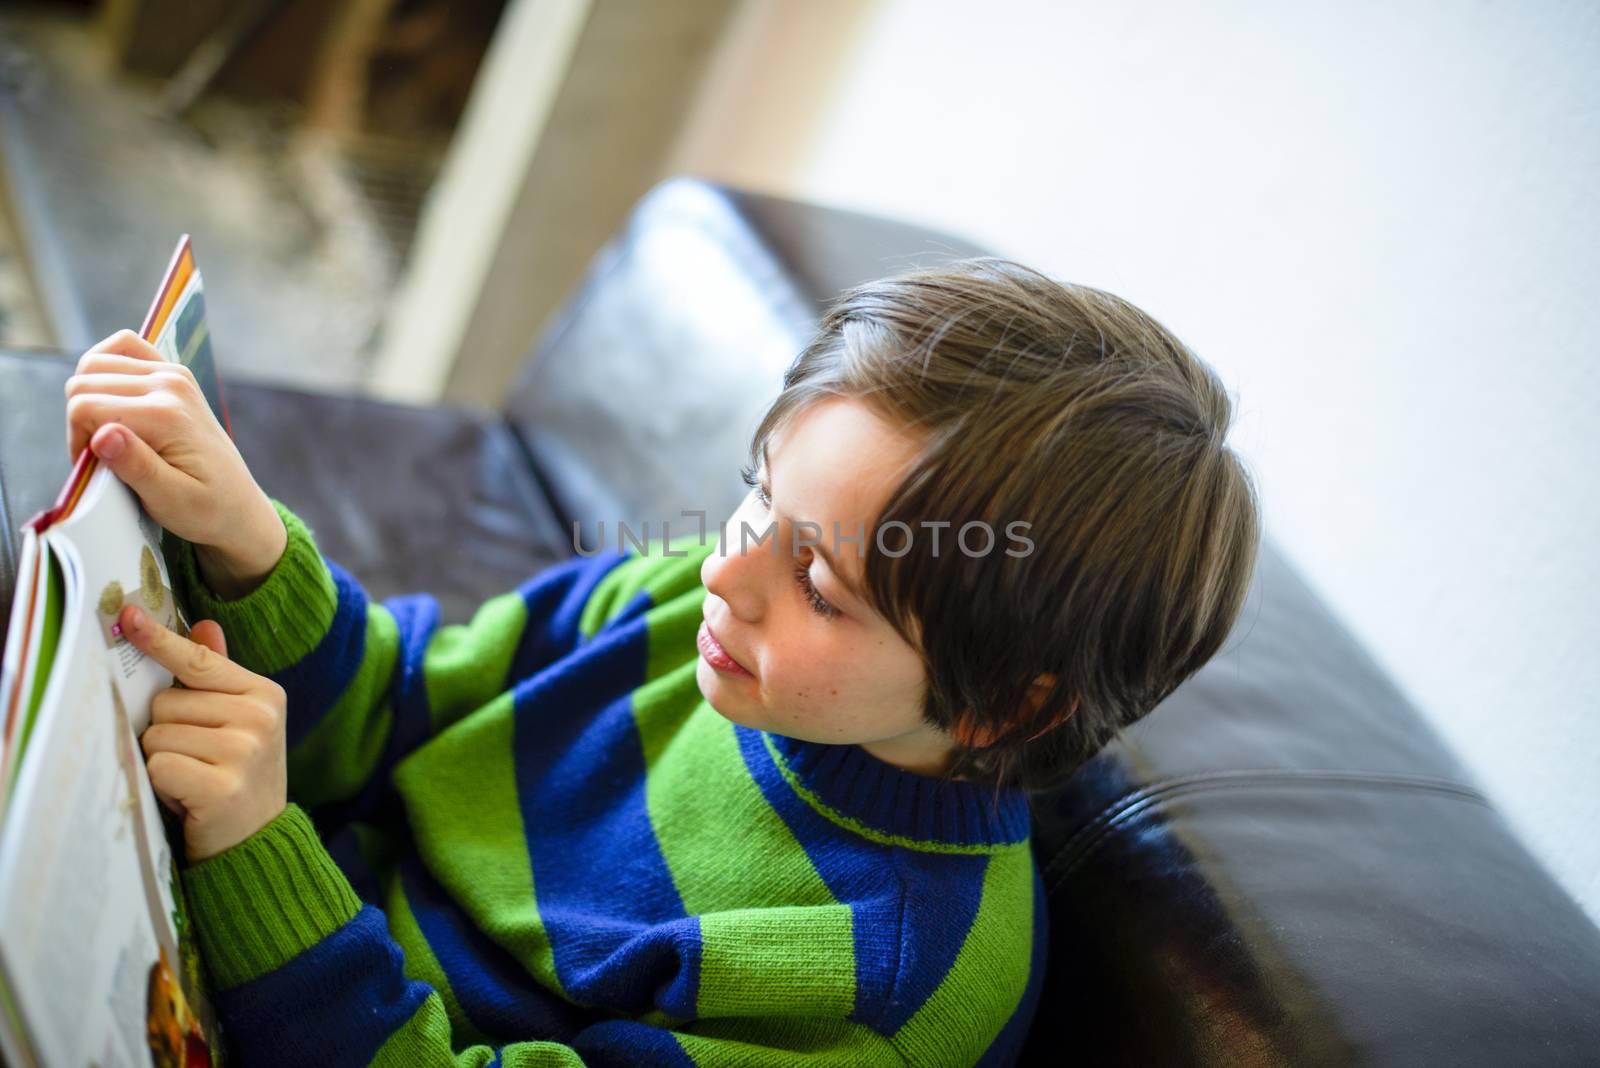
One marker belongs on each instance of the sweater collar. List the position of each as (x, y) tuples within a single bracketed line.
[(878, 799)]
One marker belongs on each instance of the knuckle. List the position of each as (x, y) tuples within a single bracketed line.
[(197, 659), (170, 379), (254, 718), (171, 409), (248, 746)]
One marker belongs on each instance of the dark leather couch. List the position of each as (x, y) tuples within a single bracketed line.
[(1281, 865)]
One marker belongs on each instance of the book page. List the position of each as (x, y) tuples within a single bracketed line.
[(119, 549), (89, 895)]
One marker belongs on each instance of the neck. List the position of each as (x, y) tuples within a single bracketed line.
[(925, 751)]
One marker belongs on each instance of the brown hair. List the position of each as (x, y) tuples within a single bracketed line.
[(1069, 409)]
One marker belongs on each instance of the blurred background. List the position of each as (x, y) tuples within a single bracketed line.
[(1377, 221)]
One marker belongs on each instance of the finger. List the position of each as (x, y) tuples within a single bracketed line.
[(111, 383), (208, 632), (93, 362), (153, 416), (199, 708), (194, 665), (187, 781), (172, 803), (139, 466), (129, 343), (208, 744)]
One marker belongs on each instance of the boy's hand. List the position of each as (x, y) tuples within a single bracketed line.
[(215, 750), (146, 419)]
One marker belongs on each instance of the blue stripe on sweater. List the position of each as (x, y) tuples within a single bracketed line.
[(315, 681), (344, 847), (861, 872), (497, 994), (943, 892), (362, 997), (617, 927), (555, 598), (417, 617)]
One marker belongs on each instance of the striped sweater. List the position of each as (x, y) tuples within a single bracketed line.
[(529, 840)]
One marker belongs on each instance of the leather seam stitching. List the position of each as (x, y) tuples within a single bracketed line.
[(1071, 854)]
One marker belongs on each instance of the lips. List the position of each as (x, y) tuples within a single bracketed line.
[(716, 655)]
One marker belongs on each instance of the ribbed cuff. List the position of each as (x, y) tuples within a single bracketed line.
[(278, 622), (263, 902)]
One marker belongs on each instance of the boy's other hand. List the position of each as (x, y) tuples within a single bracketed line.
[(146, 419), (215, 749)]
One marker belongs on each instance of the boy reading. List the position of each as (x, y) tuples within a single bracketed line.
[(758, 798)]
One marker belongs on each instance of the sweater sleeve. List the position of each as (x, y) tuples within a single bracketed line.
[(367, 681), (306, 974)]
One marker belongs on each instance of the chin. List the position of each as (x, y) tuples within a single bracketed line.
[(715, 691)]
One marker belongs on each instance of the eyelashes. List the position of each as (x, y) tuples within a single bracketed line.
[(818, 605), (748, 473), (802, 574)]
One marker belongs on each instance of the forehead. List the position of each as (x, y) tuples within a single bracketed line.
[(837, 461)]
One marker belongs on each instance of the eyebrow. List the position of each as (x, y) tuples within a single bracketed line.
[(827, 557)]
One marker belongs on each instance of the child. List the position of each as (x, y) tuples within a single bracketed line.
[(740, 802)]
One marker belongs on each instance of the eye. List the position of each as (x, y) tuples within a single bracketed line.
[(802, 575), (748, 473)]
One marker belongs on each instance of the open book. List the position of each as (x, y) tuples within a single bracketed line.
[(97, 966)]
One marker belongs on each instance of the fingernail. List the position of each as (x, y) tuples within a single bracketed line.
[(110, 446), (135, 619)]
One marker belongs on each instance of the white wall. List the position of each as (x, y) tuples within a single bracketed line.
[(1379, 222)]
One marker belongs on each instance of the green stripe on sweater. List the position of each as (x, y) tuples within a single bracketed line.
[(788, 1042), (967, 1010), (424, 1041), (751, 963), (466, 664), (712, 872), (662, 575)]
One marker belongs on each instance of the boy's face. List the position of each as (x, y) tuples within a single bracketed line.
[(840, 674)]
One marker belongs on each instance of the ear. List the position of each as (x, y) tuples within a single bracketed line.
[(975, 737)]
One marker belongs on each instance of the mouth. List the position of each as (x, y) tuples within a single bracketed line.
[(716, 655)]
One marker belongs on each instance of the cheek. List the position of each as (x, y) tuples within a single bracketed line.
[(861, 671)]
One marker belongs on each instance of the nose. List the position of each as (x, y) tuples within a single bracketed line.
[(737, 578)]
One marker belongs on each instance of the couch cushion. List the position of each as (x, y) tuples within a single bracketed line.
[(639, 400)]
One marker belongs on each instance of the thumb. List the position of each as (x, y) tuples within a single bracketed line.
[(208, 632), (129, 458)]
